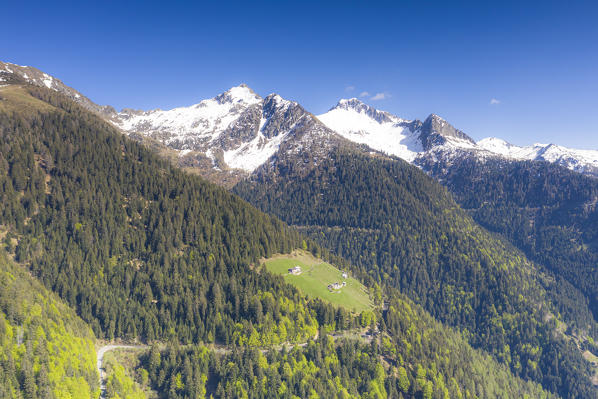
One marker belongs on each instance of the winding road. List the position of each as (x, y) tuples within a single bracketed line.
[(100, 366), (216, 348)]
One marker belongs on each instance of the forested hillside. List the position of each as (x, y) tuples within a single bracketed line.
[(46, 351), (139, 249), (415, 357), (547, 211), (143, 251), (403, 229)]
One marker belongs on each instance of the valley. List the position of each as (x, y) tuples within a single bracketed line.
[(141, 251)]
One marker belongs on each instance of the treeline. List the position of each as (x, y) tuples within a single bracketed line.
[(46, 351), (398, 226)]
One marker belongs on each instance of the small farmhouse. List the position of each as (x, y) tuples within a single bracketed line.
[(295, 270), (336, 286)]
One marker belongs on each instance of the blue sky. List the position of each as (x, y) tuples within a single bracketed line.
[(538, 61)]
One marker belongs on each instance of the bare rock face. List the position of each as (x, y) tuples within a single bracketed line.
[(243, 130), (280, 115), (360, 107), (436, 131)]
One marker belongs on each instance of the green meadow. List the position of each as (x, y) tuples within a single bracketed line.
[(315, 277)]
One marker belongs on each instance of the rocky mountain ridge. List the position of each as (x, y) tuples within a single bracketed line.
[(36, 77), (434, 139), (238, 131)]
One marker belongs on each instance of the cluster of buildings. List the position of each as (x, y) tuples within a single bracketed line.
[(336, 286), (295, 271)]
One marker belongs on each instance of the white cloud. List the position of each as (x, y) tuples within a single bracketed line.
[(380, 96), (364, 94), (349, 88), (494, 101)]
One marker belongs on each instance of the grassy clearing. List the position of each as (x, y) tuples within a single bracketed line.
[(16, 98), (315, 277)]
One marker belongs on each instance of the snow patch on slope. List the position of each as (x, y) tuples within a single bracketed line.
[(455, 142), (501, 147), (253, 154), (48, 81), (389, 135)]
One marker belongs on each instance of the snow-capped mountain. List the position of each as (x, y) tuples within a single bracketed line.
[(238, 131), (583, 161), (434, 139), (194, 127), (232, 133), (380, 130)]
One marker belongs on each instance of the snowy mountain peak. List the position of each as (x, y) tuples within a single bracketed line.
[(238, 94), (497, 146), (277, 101), (354, 104), (380, 130), (234, 130), (347, 103), (436, 131), (435, 139), (493, 141), (388, 133), (583, 161)]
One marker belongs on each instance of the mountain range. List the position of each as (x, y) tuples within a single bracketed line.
[(238, 131), (478, 258)]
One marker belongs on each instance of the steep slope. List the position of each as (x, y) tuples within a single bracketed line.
[(122, 233), (36, 77), (417, 357), (402, 229), (229, 136), (137, 248), (46, 351), (195, 127), (379, 130), (236, 130), (544, 209), (392, 135)]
